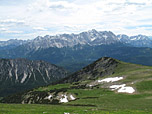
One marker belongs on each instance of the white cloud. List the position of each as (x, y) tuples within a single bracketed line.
[(7, 31), (39, 28), (13, 32), (3, 29), (12, 21), (58, 16)]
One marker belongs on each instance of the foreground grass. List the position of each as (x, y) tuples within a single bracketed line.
[(57, 86), (95, 101), (59, 109), (108, 100)]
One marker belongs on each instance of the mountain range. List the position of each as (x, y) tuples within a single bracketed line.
[(91, 37), (12, 43), (105, 85), (74, 51), (18, 75)]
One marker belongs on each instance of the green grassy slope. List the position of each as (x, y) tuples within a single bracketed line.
[(60, 109), (99, 98)]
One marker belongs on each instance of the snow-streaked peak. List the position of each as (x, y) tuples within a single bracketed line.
[(90, 37), (93, 31), (136, 41)]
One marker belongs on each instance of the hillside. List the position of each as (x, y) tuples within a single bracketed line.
[(101, 67), (112, 86), (21, 74)]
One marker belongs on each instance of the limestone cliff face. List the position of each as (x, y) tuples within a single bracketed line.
[(22, 74)]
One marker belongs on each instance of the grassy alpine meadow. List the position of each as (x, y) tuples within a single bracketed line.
[(98, 99), (60, 109), (95, 101)]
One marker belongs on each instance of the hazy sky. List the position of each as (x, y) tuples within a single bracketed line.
[(26, 19)]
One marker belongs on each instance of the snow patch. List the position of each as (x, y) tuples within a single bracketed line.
[(115, 87), (16, 74), (133, 39), (72, 98), (126, 90), (122, 88), (50, 96), (64, 38), (64, 99), (47, 74), (113, 79), (92, 39), (105, 36), (10, 73), (24, 77), (90, 85), (66, 113)]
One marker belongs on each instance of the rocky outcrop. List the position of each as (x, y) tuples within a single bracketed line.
[(101, 67), (56, 96)]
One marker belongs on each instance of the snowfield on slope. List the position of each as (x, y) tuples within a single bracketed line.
[(50, 96), (112, 79), (64, 99), (72, 98), (122, 88)]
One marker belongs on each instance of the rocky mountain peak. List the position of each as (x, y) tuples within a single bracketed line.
[(136, 41), (93, 31), (91, 37), (29, 74), (101, 67), (12, 43), (139, 37)]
